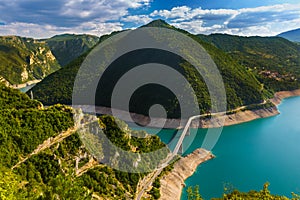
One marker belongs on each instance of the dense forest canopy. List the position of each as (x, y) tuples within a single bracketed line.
[(66, 169), (243, 86), (274, 61)]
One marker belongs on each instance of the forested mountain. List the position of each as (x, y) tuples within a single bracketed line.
[(43, 157), (242, 87), (24, 59), (42, 152), (234, 194), (67, 47), (293, 35), (275, 61)]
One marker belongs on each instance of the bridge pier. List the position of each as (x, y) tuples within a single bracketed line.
[(180, 151), (188, 132)]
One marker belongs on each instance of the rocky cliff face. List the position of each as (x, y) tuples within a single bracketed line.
[(25, 59), (68, 47), (173, 183)]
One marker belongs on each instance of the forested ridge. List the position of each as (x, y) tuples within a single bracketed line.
[(292, 35), (252, 71), (234, 194), (67, 47), (274, 61), (53, 172), (241, 84), (25, 59)]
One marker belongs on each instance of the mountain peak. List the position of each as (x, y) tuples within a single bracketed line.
[(292, 35), (158, 23)]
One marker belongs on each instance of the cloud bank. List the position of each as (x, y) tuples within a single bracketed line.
[(264, 21), (38, 18)]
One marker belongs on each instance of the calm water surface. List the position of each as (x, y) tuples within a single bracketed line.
[(25, 89), (250, 154)]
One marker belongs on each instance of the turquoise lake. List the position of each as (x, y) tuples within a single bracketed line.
[(251, 154), (25, 89)]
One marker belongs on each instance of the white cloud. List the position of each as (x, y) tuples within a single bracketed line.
[(264, 20), (196, 27), (89, 8), (38, 18), (276, 8), (185, 13), (176, 12), (46, 31), (31, 17), (137, 19)]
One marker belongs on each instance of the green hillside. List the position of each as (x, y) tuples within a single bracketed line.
[(275, 61), (25, 59), (293, 35), (242, 87), (234, 194), (10, 99), (67, 47), (52, 172)]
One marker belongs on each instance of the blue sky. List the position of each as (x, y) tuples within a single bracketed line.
[(45, 18)]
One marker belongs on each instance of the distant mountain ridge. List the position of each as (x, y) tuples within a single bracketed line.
[(292, 35), (67, 47), (274, 60), (44, 157), (26, 59), (57, 89)]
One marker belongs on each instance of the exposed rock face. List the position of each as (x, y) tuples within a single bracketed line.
[(24, 75), (238, 118), (19, 86), (5, 82), (25, 59), (173, 183), (232, 119), (68, 47), (279, 96)]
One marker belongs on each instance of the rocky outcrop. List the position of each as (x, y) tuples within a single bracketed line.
[(237, 118), (173, 182), (232, 119), (19, 86), (25, 59), (68, 47), (279, 96)]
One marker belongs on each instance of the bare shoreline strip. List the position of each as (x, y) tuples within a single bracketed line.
[(173, 182), (231, 119), (18, 86), (23, 85), (279, 96)]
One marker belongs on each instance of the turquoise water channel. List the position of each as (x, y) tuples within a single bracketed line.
[(250, 154)]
